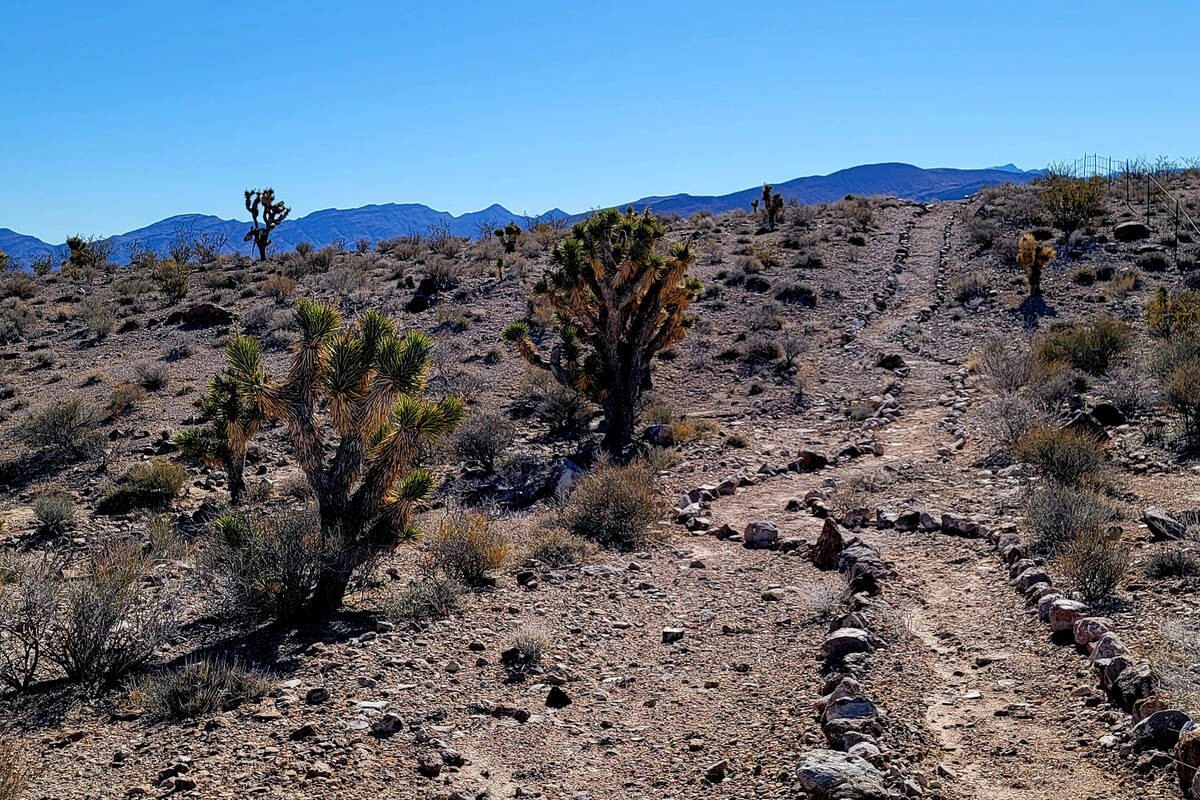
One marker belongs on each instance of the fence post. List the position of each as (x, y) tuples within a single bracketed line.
[(1176, 246), (1147, 199)]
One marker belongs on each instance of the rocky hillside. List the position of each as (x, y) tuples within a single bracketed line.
[(901, 530)]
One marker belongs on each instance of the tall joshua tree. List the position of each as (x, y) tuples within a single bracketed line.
[(367, 381), (273, 212), (619, 299), (771, 204)]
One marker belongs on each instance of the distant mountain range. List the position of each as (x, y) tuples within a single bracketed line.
[(377, 222)]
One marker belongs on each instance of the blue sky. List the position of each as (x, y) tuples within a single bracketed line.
[(119, 114)]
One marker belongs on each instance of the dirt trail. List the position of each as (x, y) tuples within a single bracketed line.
[(1000, 710)]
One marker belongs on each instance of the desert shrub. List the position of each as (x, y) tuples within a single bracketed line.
[(153, 376), (97, 317), (563, 409), (194, 444), (982, 232), (125, 397), (762, 349), (1168, 315), (967, 287), (1089, 346), (796, 294), (555, 547), (199, 687), (1126, 389), (266, 567), (1010, 417), (109, 625), (614, 505), (1182, 389), (1071, 202), (821, 599), (1084, 277), (16, 769), (1057, 514), (1172, 561), (1094, 562), (1062, 455), (29, 599), (22, 286), (151, 484), (1007, 365), (172, 278), (55, 512), (467, 546), (16, 320), (482, 437), (278, 287), (687, 429), (1153, 262), (428, 598), (1054, 384), (1122, 283), (64, 430)]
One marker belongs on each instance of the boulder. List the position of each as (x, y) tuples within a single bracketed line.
[(891, 361), (760, 535), (1090, 629), (828, 546), (958, 526), (808, 461), (202, 315), (1187, 758), (908, 520), (1162, 524), (1135, 682), (1036, 592), (830, 775), (1160, 730), (1084, 423), (1106, 648), (563, 476), (1108, 415), (1044, 604), (1029, 577), (844, 642), (660, 435), (1064, 613), (854, 714), (1130, 231)]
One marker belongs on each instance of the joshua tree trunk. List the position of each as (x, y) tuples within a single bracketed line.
[(261, 244)]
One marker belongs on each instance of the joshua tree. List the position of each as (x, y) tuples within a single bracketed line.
[(7, 263), (510, 235), (1033, 256), (368, 382), (771, 204), (273, 213), (619, 300), (233, 419)]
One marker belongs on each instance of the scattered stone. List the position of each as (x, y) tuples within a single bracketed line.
[(760, 535), (671, 635), (1162, 524), (557, 698), (830, 775), (846, 641), (828, 547)]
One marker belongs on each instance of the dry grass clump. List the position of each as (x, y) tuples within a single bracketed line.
[(428, 598), (125, 397), (967, 287), (17, 319), (467, 546), (555, 547), (16, 770), (152, 484), (1007, 366), (55, 512), (614, 505), (199, 687), (1172, 561)]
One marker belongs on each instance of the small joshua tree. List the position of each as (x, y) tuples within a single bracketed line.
[(7, 262), (367, 381), (620, 300), (233, 420), (273, 212), (1033, 256), (510, 236), (771, 204)]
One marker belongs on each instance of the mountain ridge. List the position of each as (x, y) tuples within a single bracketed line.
[(386, 220)]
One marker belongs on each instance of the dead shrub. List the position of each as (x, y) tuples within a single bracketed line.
[(1008, 366), (29, 600), (482, 437), (967, 287), (109, 624), (16, 768), (554, 547), (1095, 562), (427, 598), (1172, 561), (1057, 514)]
